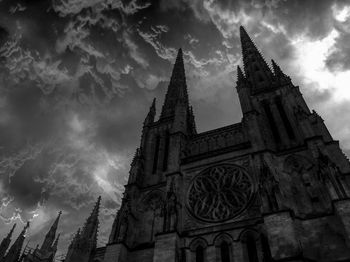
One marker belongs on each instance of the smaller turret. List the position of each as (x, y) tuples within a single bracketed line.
[(278, 73), (151, 114), (240, 77)]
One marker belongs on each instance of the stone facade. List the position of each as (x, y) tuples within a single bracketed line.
[(274, 187)]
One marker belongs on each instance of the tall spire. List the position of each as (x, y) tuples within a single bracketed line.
[(15, 250), (51, 234), (5, 243), (91, 225), (255, 67), (177, 89)]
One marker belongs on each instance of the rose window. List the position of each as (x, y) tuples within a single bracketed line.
[(219, 193)]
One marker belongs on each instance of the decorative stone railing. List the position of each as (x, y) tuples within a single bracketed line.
[(215, 140)]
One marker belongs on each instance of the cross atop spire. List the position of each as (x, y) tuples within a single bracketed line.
[(256, 69), (177, 89)]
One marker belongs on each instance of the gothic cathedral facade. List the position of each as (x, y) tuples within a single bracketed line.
[(274, 187)]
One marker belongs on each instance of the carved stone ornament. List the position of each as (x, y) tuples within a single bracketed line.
[(219, 193)]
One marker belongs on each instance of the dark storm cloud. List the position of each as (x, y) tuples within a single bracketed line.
[(77, 78)]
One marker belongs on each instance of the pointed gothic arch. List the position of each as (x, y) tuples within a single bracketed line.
[(250, 241), (198, 248), (223, 247)]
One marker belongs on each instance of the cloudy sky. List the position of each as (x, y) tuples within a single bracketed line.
[(78, 76)]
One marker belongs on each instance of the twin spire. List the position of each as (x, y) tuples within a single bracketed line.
[(257, 71), (177, 89), (175, 97)]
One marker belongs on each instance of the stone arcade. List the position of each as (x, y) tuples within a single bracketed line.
[(274, 187)]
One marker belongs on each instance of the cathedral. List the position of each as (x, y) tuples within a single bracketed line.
[(273, 187)]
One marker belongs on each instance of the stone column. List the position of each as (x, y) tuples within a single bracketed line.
[(237, 251), (281, 235), (165, 247), (116, 253), (210, 254), (342, 209)]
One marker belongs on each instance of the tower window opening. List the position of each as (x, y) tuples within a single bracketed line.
[(251, 249), (225, 252), (285, 119), (272, 123), (315, 199), (183, 255), (266, 249), (199, 254), (156, 153), (166, 151)]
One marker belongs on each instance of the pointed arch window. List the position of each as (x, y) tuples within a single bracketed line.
[(251, 249), (272, 122), (285, 118), (166, 150), (156, 153), (266, 249), (225, 252), (199, 254)]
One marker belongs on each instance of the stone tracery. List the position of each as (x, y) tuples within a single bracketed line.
[(219, 193)]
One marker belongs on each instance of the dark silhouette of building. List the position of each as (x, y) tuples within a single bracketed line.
[(48, 249), (13, 254), (273, 187)]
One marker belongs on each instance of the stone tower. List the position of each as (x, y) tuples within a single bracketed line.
[(273, 187)]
